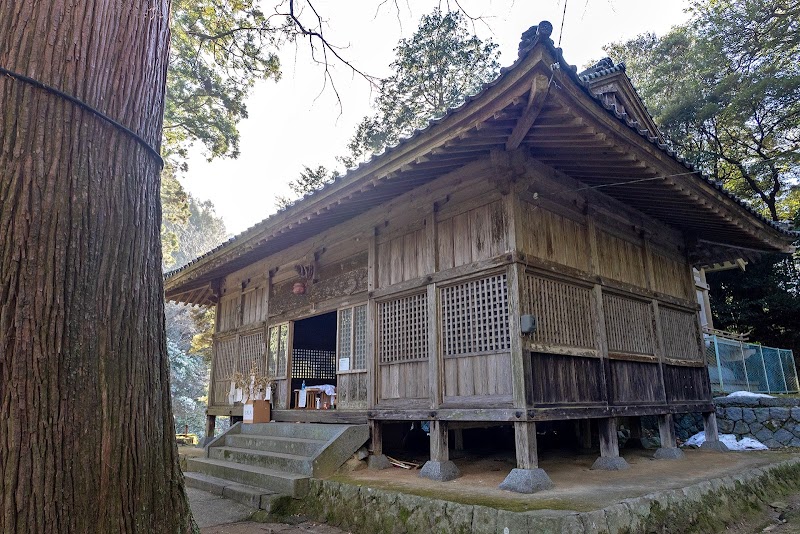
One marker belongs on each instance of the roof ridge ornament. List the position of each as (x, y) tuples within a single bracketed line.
[(529, 37)]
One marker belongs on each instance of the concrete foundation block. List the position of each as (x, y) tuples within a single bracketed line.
[(610, 463), (526, 481), (668, 453), (716, 446), (378, 462), (441, 471)]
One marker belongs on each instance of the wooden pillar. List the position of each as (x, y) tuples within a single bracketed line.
[(520, 362), (712, 442), (635, 439), (585, 433), (610, 459), (440, 442), (211, 423), (609, 442), (527, 477), (458, 439), (434, 358), (525, 443), (377, 460), (666, 429), (439, 467), (710, 426), (376, 435)]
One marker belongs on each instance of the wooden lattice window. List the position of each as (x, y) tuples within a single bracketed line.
[(352, 342), (629, 324), (474, 317), (224, 368), (252, 350), (680, 334), (402, 325), (278, 350), (563, 312), (313, 363)]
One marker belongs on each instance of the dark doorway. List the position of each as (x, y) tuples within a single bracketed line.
[(314, 352)]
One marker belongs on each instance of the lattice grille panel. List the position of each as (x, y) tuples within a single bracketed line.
[(563, 312), (310, 363), (252, 350), (629, 324), (680, 332), (403, 329), (360, 338), (345, 332), (278, 350), (224, 367), (475, 317)]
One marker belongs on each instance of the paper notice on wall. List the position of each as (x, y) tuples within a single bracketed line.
[(232, 393), (344, 364), (238, 396), (268, 393)]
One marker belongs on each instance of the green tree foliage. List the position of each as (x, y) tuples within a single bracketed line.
[(308, 181), (219, 49), (762, 302), (433, 71), (725, 88)]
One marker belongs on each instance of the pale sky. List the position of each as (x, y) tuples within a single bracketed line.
[(297, 121)]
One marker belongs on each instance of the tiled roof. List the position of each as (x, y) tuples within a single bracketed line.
[(527, 44)]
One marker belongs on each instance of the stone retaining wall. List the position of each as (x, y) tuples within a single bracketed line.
[(704, 507), (773, 422)]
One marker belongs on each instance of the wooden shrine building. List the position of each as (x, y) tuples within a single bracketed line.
[(527, 257)]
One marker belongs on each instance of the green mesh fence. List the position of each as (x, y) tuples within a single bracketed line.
[(739, 366)]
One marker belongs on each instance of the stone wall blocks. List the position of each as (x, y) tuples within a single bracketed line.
[(484, 520), (725, 426), (740, 428), (779, 413), (618, 518), (795, 413), (733, 413), (762, 414), (748, 415), (783, 436), (513, 521)]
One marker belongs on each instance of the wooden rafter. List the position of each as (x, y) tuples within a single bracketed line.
[(538, 94)]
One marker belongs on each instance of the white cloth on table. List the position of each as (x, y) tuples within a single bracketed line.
[(301, 401), (327, 389)]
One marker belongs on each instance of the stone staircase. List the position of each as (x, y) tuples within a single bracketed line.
[(255, 463)]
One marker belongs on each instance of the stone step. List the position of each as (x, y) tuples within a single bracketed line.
[(278, 461), (316, 431), (292, 484), (287, 445), (243, 493)]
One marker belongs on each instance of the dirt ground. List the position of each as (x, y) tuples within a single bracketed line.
[(577, 487)]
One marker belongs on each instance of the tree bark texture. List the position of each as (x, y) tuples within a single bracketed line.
[(86, 440)]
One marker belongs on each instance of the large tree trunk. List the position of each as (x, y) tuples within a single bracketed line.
[(86, 439)]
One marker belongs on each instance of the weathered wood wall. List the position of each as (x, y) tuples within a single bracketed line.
[(611, 291)]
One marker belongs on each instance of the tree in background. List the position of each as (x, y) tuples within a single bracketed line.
[(725, 88), (433, 71), (189, 330)]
